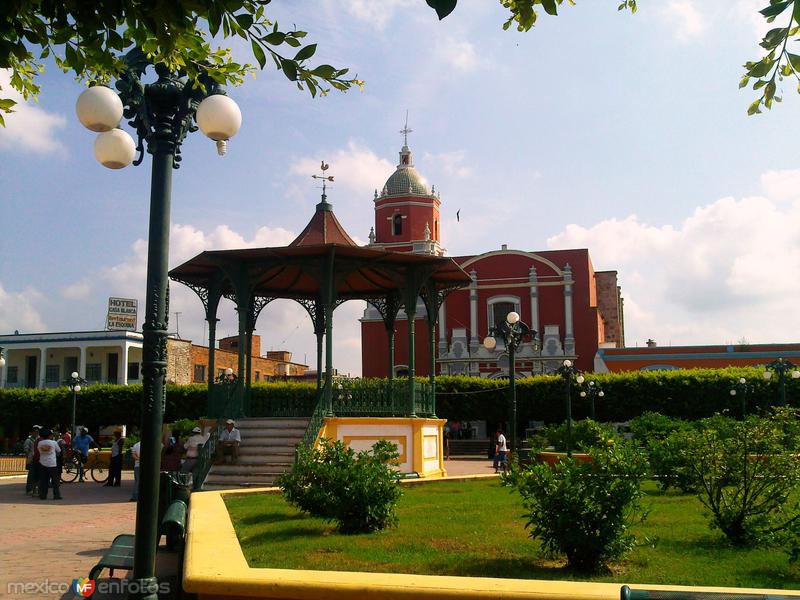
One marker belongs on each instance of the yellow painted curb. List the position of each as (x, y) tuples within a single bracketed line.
[(215, 567)]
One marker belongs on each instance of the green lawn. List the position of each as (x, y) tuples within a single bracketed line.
[(477, 529)]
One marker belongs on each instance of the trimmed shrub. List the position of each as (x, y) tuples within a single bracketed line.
[(584, 510), (586, 434), (747, 471), (357, 490)]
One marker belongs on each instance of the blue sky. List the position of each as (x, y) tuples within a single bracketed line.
[(626, 134)]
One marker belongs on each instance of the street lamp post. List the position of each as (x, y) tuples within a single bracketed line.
[(592, 391), (512, 332), (741, 388), (781, 367), (74, 382), (228, 379), (162, 113), (568, 371)]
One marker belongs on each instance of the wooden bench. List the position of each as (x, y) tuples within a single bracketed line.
[(119, 556), (626, 593), (173, 525)]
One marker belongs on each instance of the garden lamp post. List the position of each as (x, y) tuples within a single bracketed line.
[(741, 388), (781, 367), (568, 371), (512, 332), (162, 113), (228, 379), (592, 391), (74, 382)]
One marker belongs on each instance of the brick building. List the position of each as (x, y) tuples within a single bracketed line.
[(573, 308)]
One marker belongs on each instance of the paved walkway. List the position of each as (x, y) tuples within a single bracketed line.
[(53, 541), (481, 466)]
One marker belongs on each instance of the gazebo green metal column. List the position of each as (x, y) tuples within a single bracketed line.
[(388, 307), (241, 296), (257, 304), (329, 299), (431, 296), (316, 311), (411, 293)]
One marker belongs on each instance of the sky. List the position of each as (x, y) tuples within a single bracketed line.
[(625, 134)]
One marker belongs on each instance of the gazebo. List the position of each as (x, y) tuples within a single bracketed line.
[(322, 268)]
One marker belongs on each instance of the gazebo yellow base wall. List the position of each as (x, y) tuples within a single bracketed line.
[(419, 441)]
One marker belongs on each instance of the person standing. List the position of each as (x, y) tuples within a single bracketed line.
[(48, 465), (193, 445), (135, 453), (500, 451), (82, 442), (171, 457), (29, 446), (115, 465)]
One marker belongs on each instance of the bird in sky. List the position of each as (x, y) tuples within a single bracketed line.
[(458, 217)]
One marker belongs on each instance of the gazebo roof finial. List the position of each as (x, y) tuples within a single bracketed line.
[(324, 205)]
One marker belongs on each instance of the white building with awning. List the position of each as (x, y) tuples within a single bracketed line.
[(44, 360)]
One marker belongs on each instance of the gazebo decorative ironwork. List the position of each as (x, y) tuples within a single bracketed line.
[(322, 268)]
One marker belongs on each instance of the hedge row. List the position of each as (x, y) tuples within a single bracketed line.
[(691, 394)]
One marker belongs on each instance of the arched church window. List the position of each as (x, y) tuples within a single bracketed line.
[(397, 225)]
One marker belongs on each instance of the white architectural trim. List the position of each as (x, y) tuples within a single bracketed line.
[(530, 255)]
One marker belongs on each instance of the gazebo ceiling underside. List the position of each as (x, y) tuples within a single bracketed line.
[(299, 272)]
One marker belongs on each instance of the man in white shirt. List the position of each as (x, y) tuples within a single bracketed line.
[(193, 445), (500, 452), (48, 464), (229, 439)]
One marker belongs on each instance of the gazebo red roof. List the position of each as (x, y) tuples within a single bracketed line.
[(323, 228)]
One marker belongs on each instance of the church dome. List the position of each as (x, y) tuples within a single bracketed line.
[(405, 181)]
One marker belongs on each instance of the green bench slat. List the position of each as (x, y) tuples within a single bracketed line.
[(173, 525), (626, 593)]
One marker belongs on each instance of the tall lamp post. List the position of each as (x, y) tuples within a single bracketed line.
[(228, 380), (512, 332), (781, 367), (741, 388), (568, 371), (74, 382), (162, 113), (592, 390)]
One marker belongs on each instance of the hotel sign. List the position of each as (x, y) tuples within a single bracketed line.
[(121, 314)]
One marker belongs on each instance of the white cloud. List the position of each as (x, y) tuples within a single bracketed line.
[(377, 14), (80, 290), (451, 163), (355, 168), (686, 21), (746, 13), (781, 185), (460, 54), (18, 311), (28, 128), (725, 273)]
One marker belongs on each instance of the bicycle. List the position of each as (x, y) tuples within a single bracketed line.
[(96, 469)]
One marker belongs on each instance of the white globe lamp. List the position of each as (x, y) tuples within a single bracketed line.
[(77, 388), (601, 393), (767, 374), (219, 118), (114, 149), (489, 342), (567, 363), (99, 109), (795, 374), (2, 361), (580, 379), (733, 392), (742, 380), (74, 375), (512, 317)]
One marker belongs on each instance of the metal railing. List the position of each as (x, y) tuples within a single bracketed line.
[(205, 459), (314, 423), (381, 398)]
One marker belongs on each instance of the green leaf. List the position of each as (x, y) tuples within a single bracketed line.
[(550, 7), (442, 7), (244, 20), (761, 68), (794, 60), (276, 38), (306, 52), (775, 9), (324, 71), (289, 69), (258, 52), (754, 107), (6, 104), (745, 80)]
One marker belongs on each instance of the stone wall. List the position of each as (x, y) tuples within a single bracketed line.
[(609, 302)]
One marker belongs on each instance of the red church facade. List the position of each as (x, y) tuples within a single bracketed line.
[(574, 309)]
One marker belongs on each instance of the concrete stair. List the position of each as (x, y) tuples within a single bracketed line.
[(266, 451)]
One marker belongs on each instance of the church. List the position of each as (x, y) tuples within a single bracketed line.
[(571, 309)]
